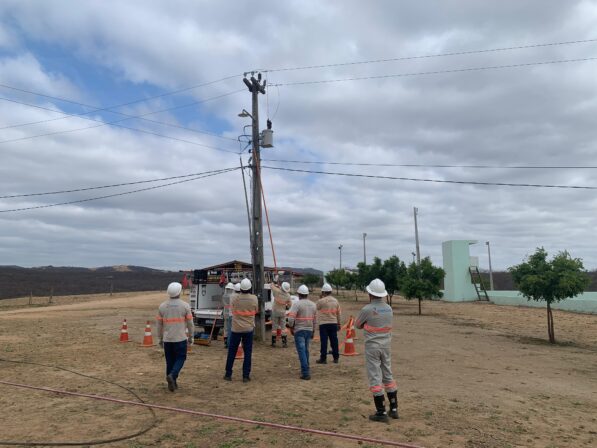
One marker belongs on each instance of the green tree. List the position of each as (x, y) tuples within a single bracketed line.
[(551, 281), (392, 273), (336, 278), (422, 281), (311, 280)]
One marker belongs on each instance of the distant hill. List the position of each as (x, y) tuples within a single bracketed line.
[(302, 270), (16, 281)]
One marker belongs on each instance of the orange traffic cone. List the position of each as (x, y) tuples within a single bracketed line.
[(353, 333), (147, 338), (124, 332), (240, 353), (316, 337), (349, 349), (186, 330)]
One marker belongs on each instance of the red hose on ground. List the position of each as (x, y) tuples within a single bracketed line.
[(221, 417)]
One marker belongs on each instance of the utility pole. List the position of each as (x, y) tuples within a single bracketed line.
[(340, 249), (256, 87), (490, 270), (416, 212), (364, 249)]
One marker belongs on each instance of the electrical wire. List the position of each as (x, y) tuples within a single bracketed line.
[(502, 184), (83, 443), (420, 165), (427, 56), (434, 72), (109, 108), (199, 176)]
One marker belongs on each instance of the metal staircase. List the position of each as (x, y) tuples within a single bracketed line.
[(478, 283)]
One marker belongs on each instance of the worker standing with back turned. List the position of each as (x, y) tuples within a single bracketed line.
[(301, 320), (376, 319), (244, 309), (174, 316), (328, 318), (281, 303)]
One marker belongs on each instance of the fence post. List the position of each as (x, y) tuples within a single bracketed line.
[(30, 297), (51, 295)]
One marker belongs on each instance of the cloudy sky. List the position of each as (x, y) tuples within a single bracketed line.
[(160, 59)]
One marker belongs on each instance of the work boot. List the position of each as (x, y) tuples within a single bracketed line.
[(284, 341), (305, 377), (321, 361), (227, 378), (336, 360), (176, 384), (380, 415), (246, 379), (273, 340), (171, 383), (393, 399)]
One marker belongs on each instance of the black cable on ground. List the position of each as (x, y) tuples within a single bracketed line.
[(89, 442)]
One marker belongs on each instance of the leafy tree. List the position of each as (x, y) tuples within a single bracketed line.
[(422, 281), (311, 280), (392, 274), (551, 281), (336, 278)]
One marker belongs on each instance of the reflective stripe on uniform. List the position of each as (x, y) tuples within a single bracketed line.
[(391, 385), (159, 318), (173, 320), (329, 311), (371, 329), (376, 389), (189, 316), (244, 313)]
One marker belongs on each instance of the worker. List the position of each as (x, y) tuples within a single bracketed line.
[(376, 319), (174, 317), (244, 308), (227, 315), (280, 304), (328, 318), (301, 320)]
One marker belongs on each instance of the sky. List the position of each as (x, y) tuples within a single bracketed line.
[(180, 64)]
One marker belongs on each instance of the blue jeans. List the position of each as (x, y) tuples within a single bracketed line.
[(233, 343), (229, 321), (301, 341), (176, 355), (329, 331)]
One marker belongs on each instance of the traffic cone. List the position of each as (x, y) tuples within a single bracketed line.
[(186, 330), (147, 338), (240, 353), (316, 337), (353, 332), (124, 332), (349, 349)]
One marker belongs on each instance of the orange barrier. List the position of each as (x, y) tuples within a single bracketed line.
[(124, 332), (240, 353), (349, 349), (147, 337)]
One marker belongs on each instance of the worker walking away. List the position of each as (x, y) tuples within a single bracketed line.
[(174, 317), (227, 314), (244, 308), (301, 320), (328, 318), (376, 319), (280, 304)]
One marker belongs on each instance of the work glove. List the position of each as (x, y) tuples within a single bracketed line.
[(161, 343)]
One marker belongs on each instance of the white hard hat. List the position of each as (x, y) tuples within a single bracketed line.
[(326, 288), (245, 284), (286, 286), (237, 287), (174, 289), (229, 286), (377, 288), (303, 290)]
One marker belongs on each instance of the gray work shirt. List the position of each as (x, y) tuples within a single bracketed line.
[(376, 319)]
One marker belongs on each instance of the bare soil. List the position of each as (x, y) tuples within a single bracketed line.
[(469, 375)]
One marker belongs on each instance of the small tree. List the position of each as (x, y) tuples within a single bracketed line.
[(392, 274), (336, 278), (551, 281), (422, 281), (311, 280)]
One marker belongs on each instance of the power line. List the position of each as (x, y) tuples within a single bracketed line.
[(435, 72), (427, 56), (199, 176), (109, 108), (115, 122), (420, 165), (502, 184)]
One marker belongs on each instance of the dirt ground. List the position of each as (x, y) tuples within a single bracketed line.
[(469, 375)]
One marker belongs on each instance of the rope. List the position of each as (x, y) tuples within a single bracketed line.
[(221, 417)]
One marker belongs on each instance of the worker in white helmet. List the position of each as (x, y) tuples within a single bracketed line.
[(244, 308), (174, 317), (376, 319), (301, 320), (281, 302), (226, 314), (328, 318)]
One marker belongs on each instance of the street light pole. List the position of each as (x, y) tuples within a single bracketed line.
[(340, 248), (414, 255), (364, 249), (416, 212), (490, 270)]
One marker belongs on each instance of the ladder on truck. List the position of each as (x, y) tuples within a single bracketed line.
[(478, 283)]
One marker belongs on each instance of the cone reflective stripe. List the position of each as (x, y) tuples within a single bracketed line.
[(349, 349), (124, 332), (240, 353), (353, 332), (147, 338)]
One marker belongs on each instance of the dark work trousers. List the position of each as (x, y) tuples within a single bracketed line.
[(176, 355), (233, 343), (329, 331)]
